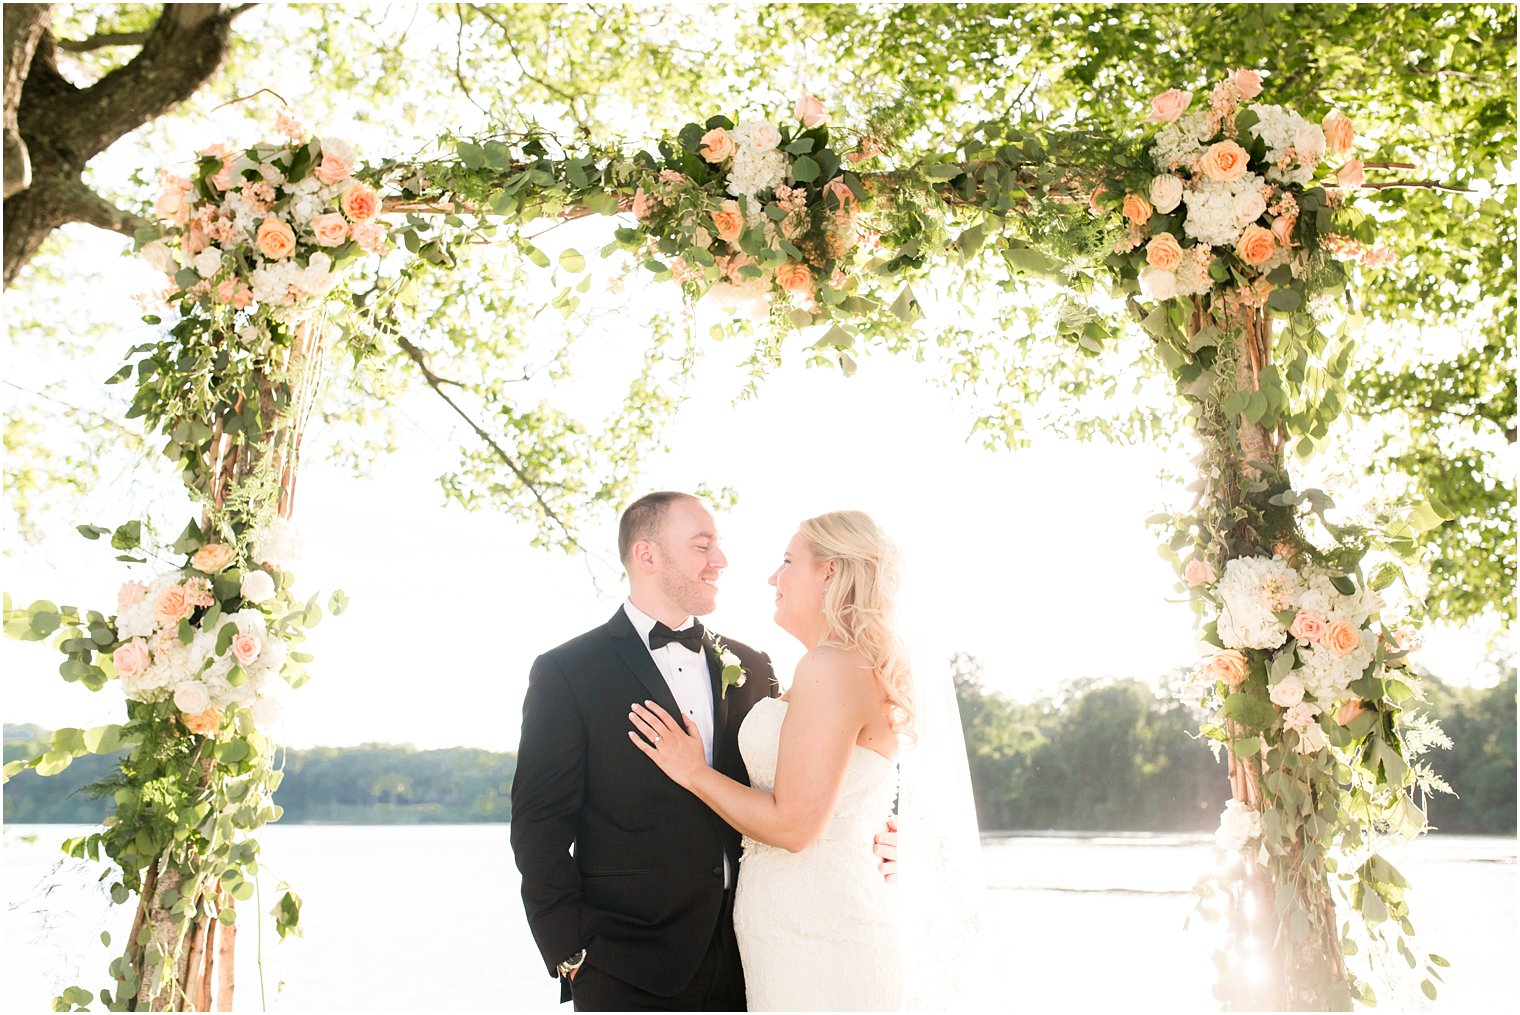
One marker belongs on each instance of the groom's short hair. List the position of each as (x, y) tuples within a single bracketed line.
[(643, 518)]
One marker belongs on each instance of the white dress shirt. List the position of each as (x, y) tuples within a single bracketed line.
[(686, 675)]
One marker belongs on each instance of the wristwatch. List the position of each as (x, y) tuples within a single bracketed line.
[(570, 965)]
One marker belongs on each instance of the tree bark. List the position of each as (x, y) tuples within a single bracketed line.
[(60, 127), (25, 25)]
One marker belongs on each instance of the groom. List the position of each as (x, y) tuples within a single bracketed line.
[(640, 916)]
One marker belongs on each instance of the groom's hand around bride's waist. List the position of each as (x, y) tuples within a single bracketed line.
[(885, 847)]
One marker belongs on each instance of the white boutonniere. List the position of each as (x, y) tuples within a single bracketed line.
[(733, 670)]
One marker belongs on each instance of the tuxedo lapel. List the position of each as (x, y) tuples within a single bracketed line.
[(632, 650), (720, 702)]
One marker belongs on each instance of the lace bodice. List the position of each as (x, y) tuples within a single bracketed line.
[(870, 780)]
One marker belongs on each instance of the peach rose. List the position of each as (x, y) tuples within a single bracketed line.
[(1340, 136), (717, 145), (333, 168), (1198, 572), (1352, 174), (275, 239), (1137, 209), (764, 136), (1164, 252), (1308, 626), (841, 193), (1343, 638), (795, 277), (1282, 230), (246, 648), (172, 605), (732, 265), (131, 659), (810, 111), (1247, 83), (212, 557), (359, 202), (130, 594), (1349, 711), (1169, 105), (205, 724), (1224, 161), (1256, 246), (1230, 667), (729, 222), (172, 206), (329, 229), (643, 205)]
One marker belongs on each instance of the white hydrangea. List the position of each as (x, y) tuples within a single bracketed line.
[(1213, 209), (754, 171), (1253, 590), (1211, 215), (137, 621), (1180, 144), (1282, 129), (1238, 825), (278, 543), (1322, 597), (1328, 675)]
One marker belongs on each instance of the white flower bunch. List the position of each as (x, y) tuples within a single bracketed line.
[(1252, 591), (1238, 826), (759, 164), (1294, 145), (277, 542)]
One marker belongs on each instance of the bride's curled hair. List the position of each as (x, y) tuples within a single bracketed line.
[(860, 601)]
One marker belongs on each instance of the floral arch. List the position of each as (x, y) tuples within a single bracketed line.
[(1224, 224)]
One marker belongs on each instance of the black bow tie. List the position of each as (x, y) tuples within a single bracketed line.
[(691, 637)]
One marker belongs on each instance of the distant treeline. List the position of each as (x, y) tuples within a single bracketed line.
[(1108, 754), (1101, 755)]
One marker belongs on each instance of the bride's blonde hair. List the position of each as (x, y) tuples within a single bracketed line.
[(860, 601)]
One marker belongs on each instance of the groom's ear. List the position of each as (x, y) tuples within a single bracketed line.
[(641, 557)]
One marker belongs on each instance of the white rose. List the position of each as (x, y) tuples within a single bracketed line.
[(1310, 144), (257, 586), (764, 136), (1158, 285), (192, 697), (208, 262), (1238, 825), (160, 257), (729, 659), (339, 148), (1287, 692), (1249, 206), (1166, 193)]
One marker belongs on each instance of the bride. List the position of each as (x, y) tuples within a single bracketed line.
[(814, 923)]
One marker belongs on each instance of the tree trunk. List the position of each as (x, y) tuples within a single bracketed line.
[(54, 128), (25, 25), (1315, 977)]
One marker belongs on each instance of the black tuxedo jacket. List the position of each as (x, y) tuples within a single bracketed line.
[(615, 857)]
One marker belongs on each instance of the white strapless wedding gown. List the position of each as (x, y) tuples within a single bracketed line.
[(814, 928)]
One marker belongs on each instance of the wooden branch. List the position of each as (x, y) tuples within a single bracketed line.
[(182, 50), (103, 41), (435, 382)]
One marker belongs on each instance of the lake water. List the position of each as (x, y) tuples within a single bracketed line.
[(428, 918)]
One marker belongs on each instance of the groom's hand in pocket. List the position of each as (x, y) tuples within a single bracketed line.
[(886, 849)]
